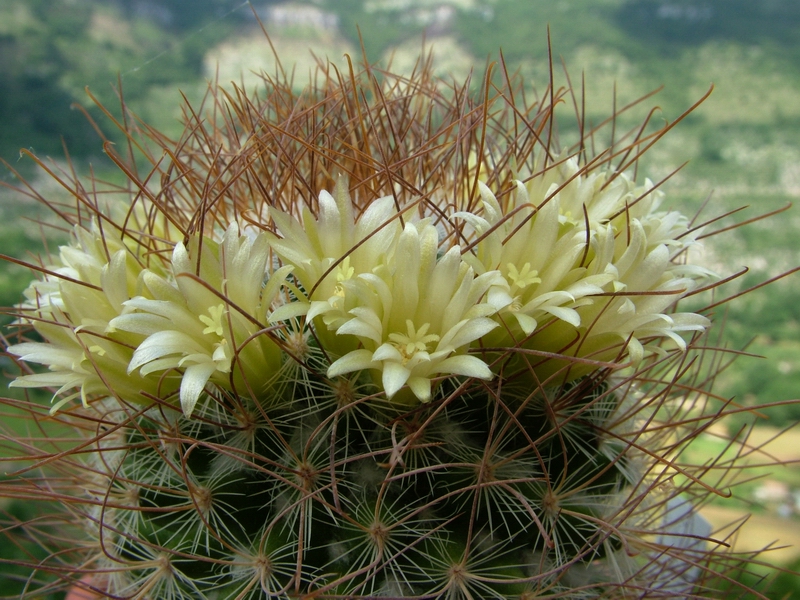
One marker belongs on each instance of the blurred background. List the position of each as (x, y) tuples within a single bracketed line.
[(743, 143)]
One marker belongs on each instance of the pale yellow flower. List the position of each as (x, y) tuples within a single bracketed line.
[(94, 276), (417, 316), (379, 298), (209, 324), (539, 257), (333, 237), (585, 292), (647, 284)]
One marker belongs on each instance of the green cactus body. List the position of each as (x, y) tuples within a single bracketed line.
[(316, 499)]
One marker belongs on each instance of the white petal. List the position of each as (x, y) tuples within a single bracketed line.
[(289, 311), (679, 341), (161, 289), (316, 308), (526, 322), (275, 282), (565, 314), (369, 318), (491, 207), (633, 253), (359, 328), (114, 279), (550, 298), (498, 297), (543, 232), (479, 224), (466, 332), (158, 365), (192, 385), (650, 270), (635, 351), (689, 322), (180, 259), (447, 288), (406, 290), (346, 214), (45, 354), (368, 285), (330, 225), (395, 376), (421, 386), (357, 360), (181, 317), (378, 212), (161, 344), (468, 366), (387, 352), (141, 323), (63, 379), (588, 286)]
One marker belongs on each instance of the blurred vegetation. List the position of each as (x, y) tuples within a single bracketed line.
[(784, 586), (15, 579), (51, 50), (677, 23)]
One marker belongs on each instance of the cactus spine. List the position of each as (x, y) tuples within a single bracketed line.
[(378, 339)]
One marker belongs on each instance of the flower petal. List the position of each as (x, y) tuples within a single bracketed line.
[(387, 352), (421, 387), (395, 376), (468, 366), (357, 360), (192, 385)]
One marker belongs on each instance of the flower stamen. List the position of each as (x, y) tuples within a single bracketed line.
[(343, 272), (415, 341), (214, 322), (522, 279)]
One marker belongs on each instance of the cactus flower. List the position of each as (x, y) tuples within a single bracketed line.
[(416, 317)]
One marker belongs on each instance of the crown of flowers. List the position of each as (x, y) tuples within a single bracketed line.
[(581, 269)]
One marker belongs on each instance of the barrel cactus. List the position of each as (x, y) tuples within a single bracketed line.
[(383, 337)]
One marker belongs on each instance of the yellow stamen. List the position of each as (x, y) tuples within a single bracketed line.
[(415, 341), (525, 277), (343, 272), (214, 322)]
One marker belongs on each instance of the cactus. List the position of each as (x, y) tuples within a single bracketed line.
[(384, 338)]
